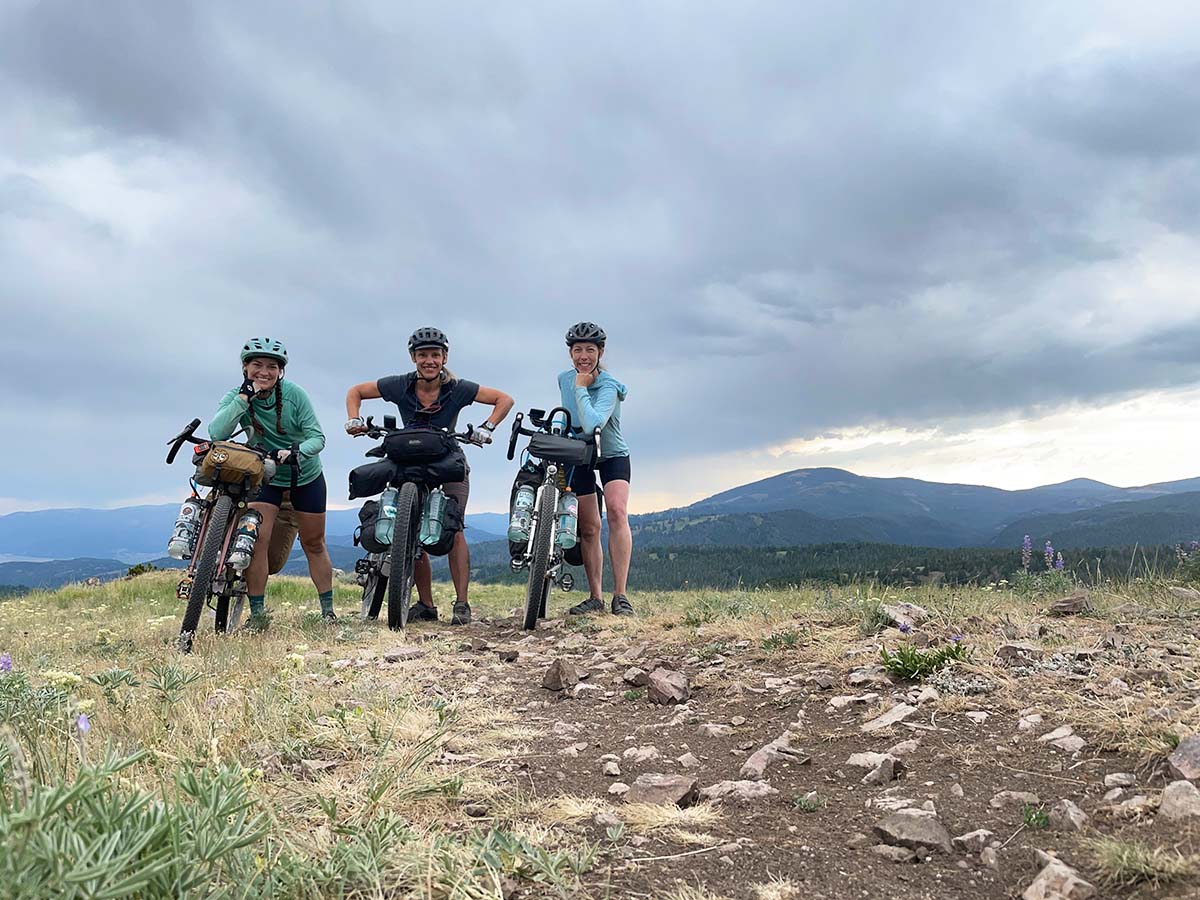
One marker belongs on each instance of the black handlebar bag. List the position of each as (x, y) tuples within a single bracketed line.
[(418, 445), (561, 449)]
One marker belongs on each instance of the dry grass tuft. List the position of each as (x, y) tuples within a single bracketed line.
[(1125, 863), (776, 889), (652, 816)]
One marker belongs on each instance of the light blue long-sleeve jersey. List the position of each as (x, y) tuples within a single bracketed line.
[(598, 406)]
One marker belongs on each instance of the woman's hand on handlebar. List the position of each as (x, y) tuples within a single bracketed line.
[(356, 426), (480, 437)]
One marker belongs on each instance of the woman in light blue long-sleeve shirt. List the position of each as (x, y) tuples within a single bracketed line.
[(593, 398)]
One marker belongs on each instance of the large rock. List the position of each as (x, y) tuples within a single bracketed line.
[(974, 841), (1180, 800), (906, 614), (560, 676), (737, 790), (780, 748), (1185, 761), (1018, 653), (1072, 605), (869, 676), (893, 716), (1058, 881), (888, 770), (666, 686), (915, 830), (664, 790)]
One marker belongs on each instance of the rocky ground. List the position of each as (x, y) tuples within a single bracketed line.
[(1061, 761)]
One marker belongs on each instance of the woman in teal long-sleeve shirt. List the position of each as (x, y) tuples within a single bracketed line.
[(279, 416), (593, 398)]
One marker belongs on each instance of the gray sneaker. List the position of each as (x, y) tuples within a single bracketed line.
[(419, 612), (621, 605), (462, 613)]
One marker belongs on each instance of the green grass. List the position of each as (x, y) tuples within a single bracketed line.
[(913, 664)]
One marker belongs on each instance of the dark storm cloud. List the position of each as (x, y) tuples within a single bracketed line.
[(791, 218)]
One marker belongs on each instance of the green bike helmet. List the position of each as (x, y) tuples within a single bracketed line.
[(264, 346)]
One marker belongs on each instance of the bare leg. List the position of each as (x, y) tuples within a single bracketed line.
[(620, 539), (423, 578), (589, 539), (256, 572), (312, 541), (460, 566)]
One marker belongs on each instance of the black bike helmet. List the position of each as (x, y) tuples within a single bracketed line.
[(428, 337), (586, 332)]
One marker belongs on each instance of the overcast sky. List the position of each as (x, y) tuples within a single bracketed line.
[(950, 240)]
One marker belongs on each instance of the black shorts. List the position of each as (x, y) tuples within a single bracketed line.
[(307, 498), (614, 468)]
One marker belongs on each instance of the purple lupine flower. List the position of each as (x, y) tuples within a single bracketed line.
[(84, 723), (1058, 562), (956, 638), (905, 628), (1026, 553), (5, 662), (1049, 555)]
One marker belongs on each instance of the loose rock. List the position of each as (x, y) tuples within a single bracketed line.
[(1066, 816), (1072, 605), (780, 748), (974, 841), (737, 790), (1185, 761), (893, 716), (560, 676), (667, 686), (914, 830), (664, 790), (1014, 798), (1058, 881), (895, 854), (1180, 800)]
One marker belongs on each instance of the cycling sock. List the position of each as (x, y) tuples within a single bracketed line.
[(326, 598), (258, 604)]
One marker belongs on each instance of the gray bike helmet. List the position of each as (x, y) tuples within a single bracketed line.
[(586, 332), (428, 337), (264, 347)]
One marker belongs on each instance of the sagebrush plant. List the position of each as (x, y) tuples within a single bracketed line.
[(914, 664)]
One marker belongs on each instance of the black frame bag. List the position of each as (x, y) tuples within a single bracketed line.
[(417, 445), (370, 479)]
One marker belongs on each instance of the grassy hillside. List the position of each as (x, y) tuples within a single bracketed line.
[(1171, 519)]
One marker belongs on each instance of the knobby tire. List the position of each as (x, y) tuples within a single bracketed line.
[(540, 551), (206, 568), (404, 554)]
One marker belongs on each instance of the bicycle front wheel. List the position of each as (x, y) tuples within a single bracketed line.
[(404, 554), (541, 549)]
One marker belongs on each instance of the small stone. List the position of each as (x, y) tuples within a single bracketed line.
[(606, 819), (908, 614), (974, 841), (1185, 761), (636, 677), (869, 676), (475, 810), (478, 645), (1120, 779), (917, 831), (1067, 816), (560, 676), (1180, 800), (1072, 605), (399, 654), (1029, 723), (779, 749), (1056, 735), (586, 690), (1058, 881), (989, 857), (928, 694), (1135, 807), (641, 754), (1072, 743), (689, 761), (956, 790), (611, 769), (1018, 654), (977, 716), (663, 790), (1014, 798), (895, 854), (508, 655), (618, 788), (905, 748), (889, 769), (711, 729), (667, 686), (893, 716), (858, 841), (737, 790), (737, 721)]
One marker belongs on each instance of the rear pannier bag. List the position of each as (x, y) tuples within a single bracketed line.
[(531, 474), (230, 463), (560, 449), (417, 445), (364, 535), (370, 479), (452, 524)]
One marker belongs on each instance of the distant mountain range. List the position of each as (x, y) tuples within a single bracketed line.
[(802, 507)]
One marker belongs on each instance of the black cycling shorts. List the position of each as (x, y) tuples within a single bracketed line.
[(307, 498), (614, 468)]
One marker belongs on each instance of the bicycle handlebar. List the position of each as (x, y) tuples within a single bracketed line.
[(542, 419), (178, 441), (375, 432)]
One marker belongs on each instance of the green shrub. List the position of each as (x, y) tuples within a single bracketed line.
[(913, 664)]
